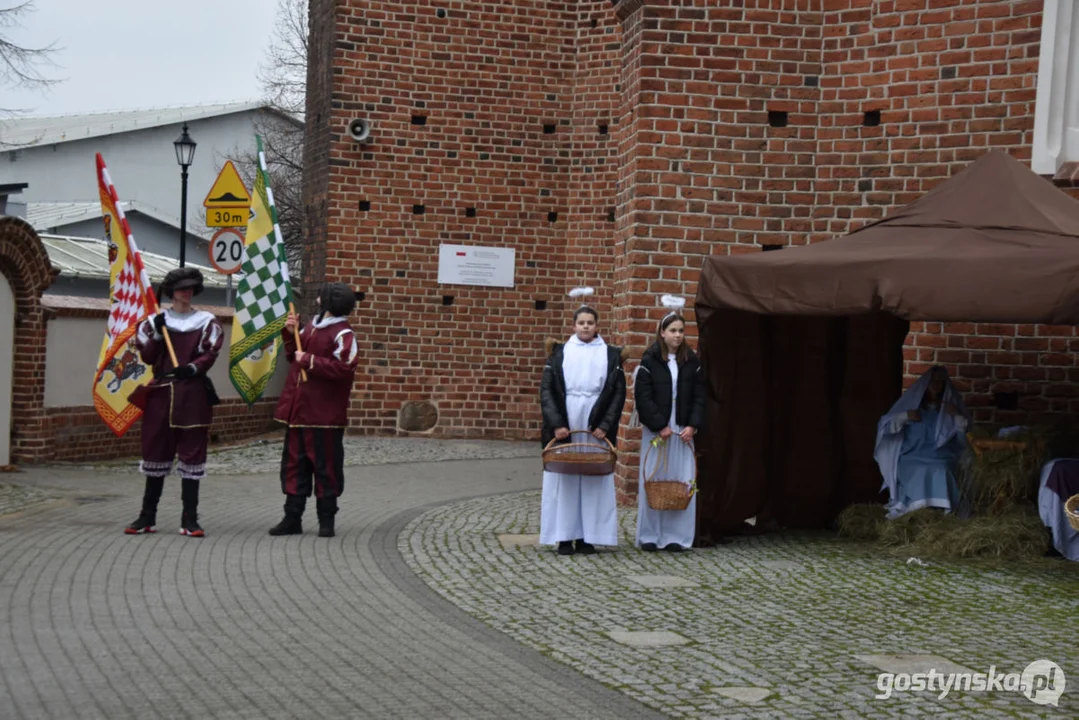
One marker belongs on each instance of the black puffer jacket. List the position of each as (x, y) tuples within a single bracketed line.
[(608, 408), (652, 392)]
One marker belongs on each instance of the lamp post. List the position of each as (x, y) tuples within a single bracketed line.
[(185, 154)]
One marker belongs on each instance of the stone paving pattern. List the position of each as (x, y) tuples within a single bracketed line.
[(97, 624), (786, 613), (425, 605)]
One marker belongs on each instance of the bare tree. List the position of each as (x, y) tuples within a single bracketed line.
[(283, 76), (20, 65), (283, 73)]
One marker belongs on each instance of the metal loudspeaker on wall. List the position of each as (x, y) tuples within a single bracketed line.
[(359, 129)]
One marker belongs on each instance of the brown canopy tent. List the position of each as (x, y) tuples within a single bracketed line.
[(804, 347)]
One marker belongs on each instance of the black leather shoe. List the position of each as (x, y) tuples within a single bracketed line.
[(565, 547), (585, 548), (649, 547), (674, 547)]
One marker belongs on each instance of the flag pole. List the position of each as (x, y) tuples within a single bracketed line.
[(299, 346)]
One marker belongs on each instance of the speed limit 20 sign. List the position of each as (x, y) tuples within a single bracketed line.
[(227, 251)]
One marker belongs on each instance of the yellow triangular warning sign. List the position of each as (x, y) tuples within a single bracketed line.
[(228, 190)]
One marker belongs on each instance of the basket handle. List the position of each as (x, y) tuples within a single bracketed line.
[(666, 456), (575, 432)]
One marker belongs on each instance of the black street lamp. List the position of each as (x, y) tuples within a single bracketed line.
[(185, 155)]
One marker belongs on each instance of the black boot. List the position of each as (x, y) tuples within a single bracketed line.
[(189, 522), (292, 524), (327, 508), (146, 520)]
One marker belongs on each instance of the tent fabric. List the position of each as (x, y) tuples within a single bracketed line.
[(804, 347), (995, 225)]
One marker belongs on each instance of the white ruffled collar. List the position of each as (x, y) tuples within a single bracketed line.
[(326, 322)]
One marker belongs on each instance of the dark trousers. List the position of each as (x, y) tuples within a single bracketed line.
[(313, 453)]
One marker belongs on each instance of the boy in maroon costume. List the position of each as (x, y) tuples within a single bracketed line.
[(316, 410), (178, 411)]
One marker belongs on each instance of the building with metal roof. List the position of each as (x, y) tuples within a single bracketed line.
[(54, 157), (84, 269)]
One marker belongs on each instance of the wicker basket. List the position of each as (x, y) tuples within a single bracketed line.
[(582, 458), (1071, 509), (665, 493)]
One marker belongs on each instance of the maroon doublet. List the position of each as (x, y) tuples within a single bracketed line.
[(178, 411), (316, 411)]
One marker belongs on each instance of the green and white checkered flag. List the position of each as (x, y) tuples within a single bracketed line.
[(263, 295)]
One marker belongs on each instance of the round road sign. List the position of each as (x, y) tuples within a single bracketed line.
[(227, 251)]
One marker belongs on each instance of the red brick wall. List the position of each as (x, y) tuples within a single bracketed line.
[(25, 265), (691, 164), (487, 77), (76, 433)]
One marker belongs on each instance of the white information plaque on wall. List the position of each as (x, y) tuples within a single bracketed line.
[(472, 265)]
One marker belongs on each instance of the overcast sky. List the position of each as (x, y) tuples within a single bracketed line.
[(128, 54)]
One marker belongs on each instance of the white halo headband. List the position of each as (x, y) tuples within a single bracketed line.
[(674, 303), (581, 292)]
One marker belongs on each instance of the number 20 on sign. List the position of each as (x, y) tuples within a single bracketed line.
[(227, 251)]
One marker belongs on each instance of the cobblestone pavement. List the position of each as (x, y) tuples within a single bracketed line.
[(785, 617), (263, 455), (16, 498), (97, 624)]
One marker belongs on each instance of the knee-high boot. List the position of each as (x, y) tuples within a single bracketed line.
[(327, 508)]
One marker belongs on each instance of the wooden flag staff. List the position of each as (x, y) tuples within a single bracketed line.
[(299, 346)]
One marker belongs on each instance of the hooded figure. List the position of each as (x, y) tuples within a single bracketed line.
[(919, 441)]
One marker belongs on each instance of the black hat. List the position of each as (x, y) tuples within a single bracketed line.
[(180, 278), (336, 298)]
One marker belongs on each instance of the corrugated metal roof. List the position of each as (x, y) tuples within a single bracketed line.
[(89, 258), (46, 216), (22, 132)]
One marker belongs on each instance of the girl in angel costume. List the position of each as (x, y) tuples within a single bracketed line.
[(583, 388), (669, 394)]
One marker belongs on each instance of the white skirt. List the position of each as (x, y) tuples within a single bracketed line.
[(576, 507), (664, 527)]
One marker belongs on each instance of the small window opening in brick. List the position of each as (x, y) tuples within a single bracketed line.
[(541, 304), (441, 12), (549, 128), (365, 205), (871, 118), (595, 22), (447, 300), (399, 273), (949, 73), (360, 296), (865, 186), (777, 118), (603, 129), (530, 263), (470, 212), (610, 214), (552, 216), (420, 103), (769, 248), (1006, 400), (419, 119), (418, 209), (812, 81)]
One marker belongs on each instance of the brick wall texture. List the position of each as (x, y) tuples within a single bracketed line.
[(617, 144)]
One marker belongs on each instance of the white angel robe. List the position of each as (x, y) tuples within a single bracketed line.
[(576, 507), (664, 527)]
